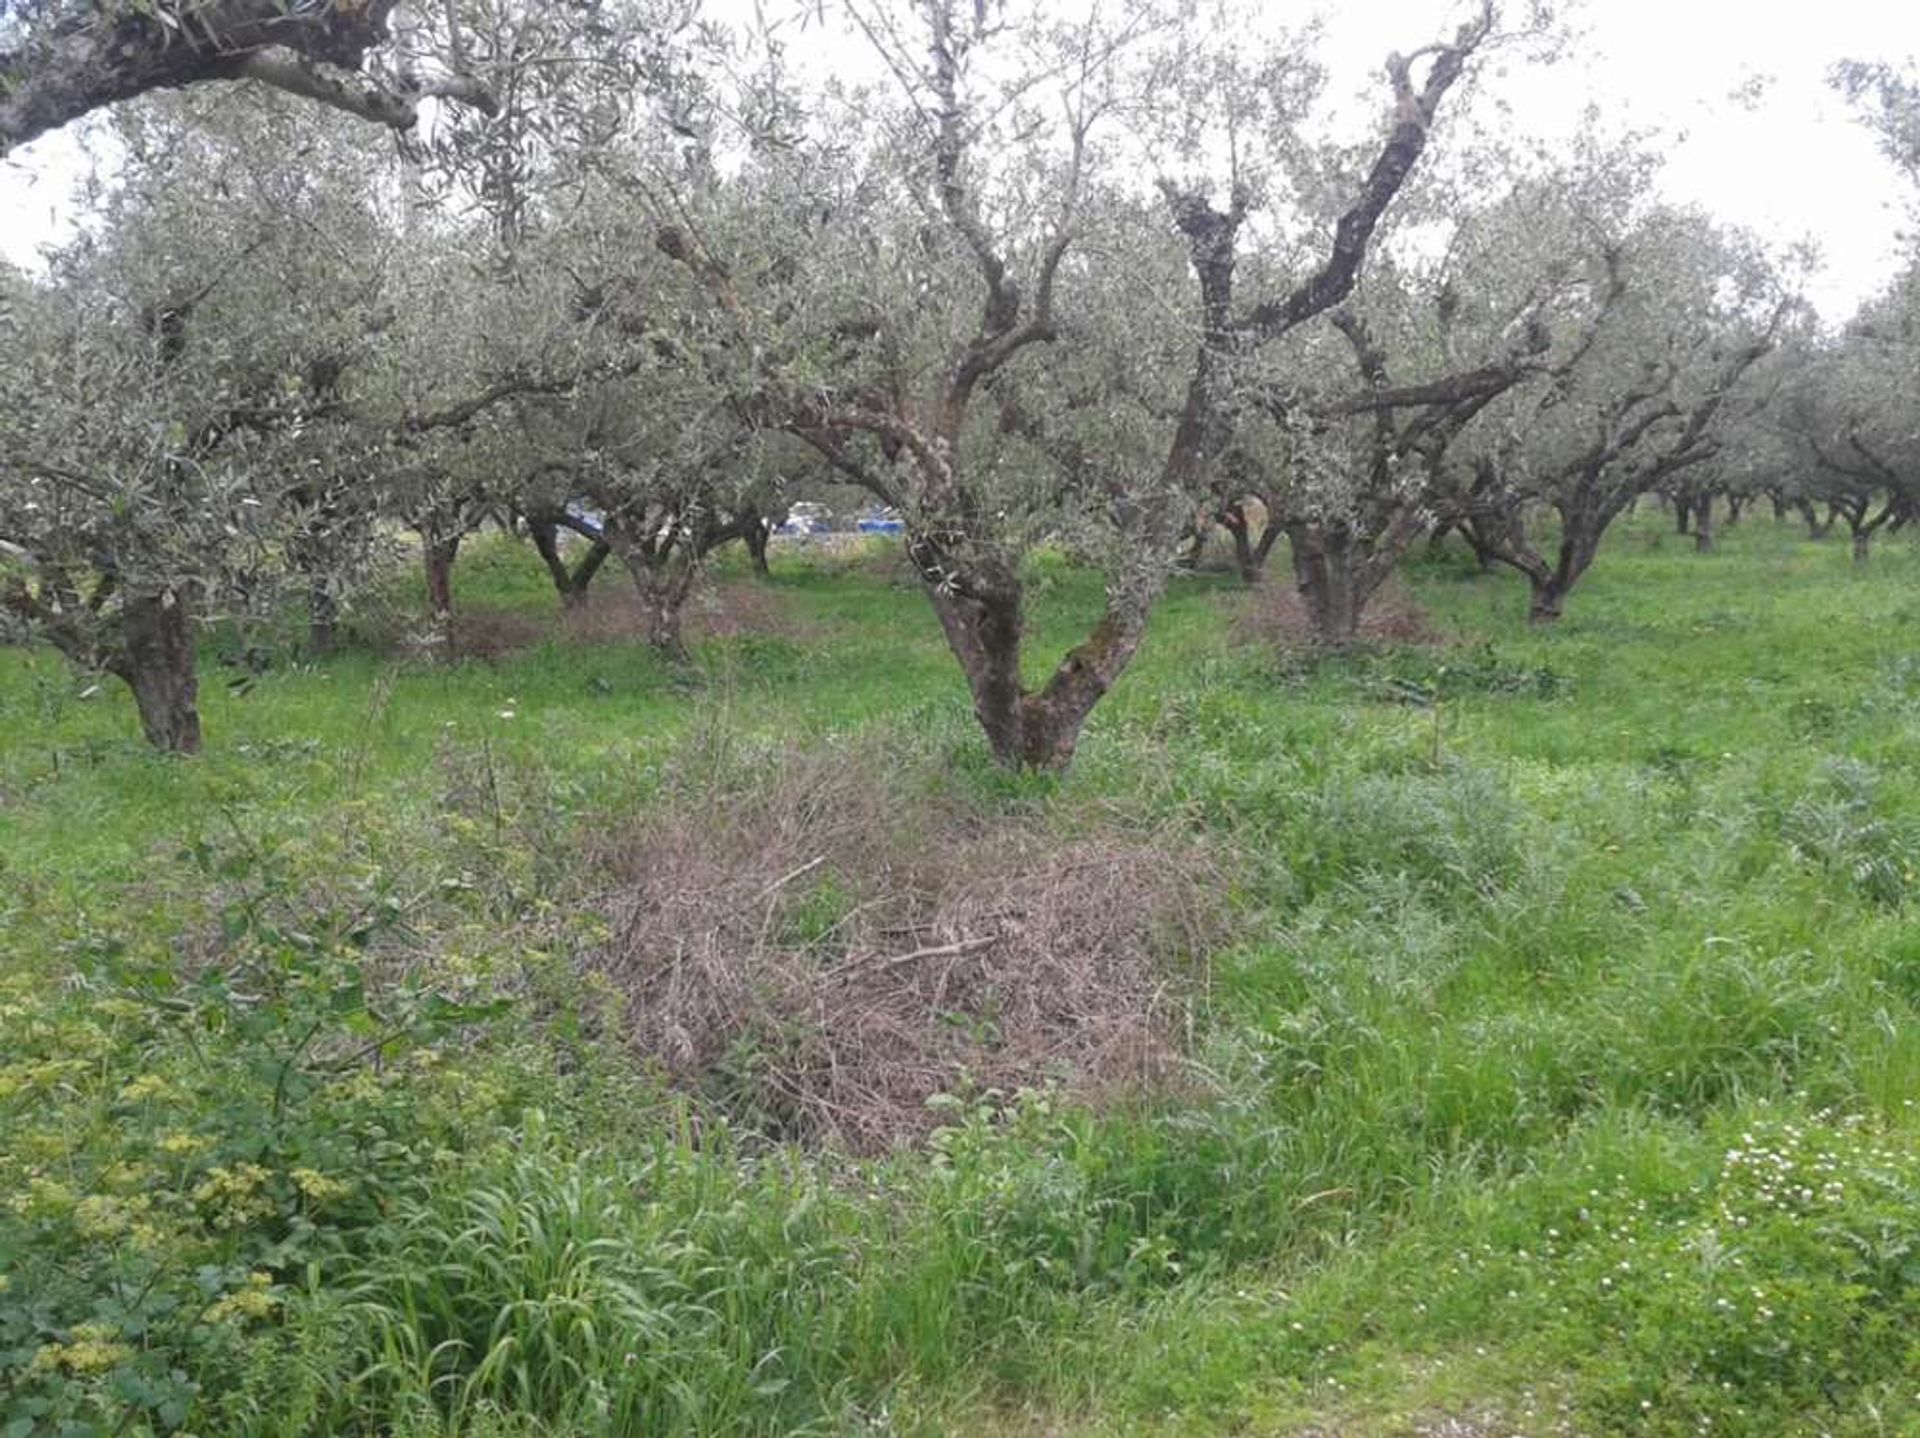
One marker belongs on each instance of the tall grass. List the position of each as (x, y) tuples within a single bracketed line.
[(1523, 938)]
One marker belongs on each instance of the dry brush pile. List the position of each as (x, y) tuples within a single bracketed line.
[(1273, 614), (826, 949)]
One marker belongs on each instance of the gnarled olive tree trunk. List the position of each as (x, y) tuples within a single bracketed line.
[(1500, 531), (156, 659), (1251, 550), (1547, 598), (1035, 729), (662, 596), (1703, 535), (757, 534), (1334, 583), (438, 556), (570, 581), (663, 561)]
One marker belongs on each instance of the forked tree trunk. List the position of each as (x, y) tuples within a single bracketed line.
[(660, 588), (660, 614), (1862, 545), (1581, 531), (1250, 554), (1334, 608), (570, 581), (1736, 506), (1031, 730), (1548, 600), (157, 661)]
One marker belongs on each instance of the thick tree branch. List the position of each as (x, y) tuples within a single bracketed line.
[(92, 55), (354, 93), (1414, 112)]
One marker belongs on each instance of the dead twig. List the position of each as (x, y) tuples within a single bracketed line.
[(957, 950)]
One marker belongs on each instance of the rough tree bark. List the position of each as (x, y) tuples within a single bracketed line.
[(1327, 568), (661, 595), (85, 56), (1031, 729), (1251, 550), (662, 557), (1546, 599), (156, 659), (438, 553), (757, 534)]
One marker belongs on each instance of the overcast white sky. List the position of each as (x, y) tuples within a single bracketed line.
[(1794, 165), (1791, 165)]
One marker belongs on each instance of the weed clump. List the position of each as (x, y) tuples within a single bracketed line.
[(1840, 827)]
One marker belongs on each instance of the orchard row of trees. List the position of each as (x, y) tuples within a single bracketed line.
[(1099, 280)]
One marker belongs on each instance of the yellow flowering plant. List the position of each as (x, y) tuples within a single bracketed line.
[(183, 1142)]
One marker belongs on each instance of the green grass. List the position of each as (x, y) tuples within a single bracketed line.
[(1557, 1072)]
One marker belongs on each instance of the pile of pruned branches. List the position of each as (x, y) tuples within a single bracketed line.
[(823, 953)]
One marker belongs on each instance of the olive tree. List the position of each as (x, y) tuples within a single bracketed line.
[(1680, 311), (154, 432), (653, 468), (1342, 435), (1846, 418), (259, 354), (933, 246)]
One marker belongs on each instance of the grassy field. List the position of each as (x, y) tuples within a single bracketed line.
[(1549, 1045)]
